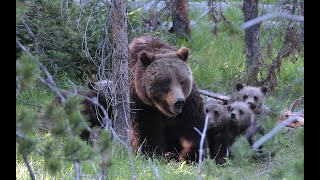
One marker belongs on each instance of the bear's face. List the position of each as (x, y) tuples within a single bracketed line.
[(164, 80), (216, 112), (251, 95), (240, 113)]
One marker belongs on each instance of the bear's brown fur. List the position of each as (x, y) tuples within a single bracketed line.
[(218, 134), (251, 95), (166, 104), (241, 117)]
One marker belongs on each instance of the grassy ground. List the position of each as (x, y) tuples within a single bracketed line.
[(215, 61)]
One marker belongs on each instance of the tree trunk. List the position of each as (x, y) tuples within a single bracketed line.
[(252, 34), (180, 19), (120, 70)]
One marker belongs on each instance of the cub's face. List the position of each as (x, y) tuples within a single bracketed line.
[(253, 96), (240, 113), (217, 114), (167, 81)]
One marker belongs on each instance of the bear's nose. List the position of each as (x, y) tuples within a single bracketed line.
[(179, 103), (232, 116), (252, 105)]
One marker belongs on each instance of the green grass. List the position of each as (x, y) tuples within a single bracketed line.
[(288, 153)]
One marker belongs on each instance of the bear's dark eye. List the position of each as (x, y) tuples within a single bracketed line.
[(182, 83), (216, 113), (255, 98), (165, 85), (245, 97), (207, 110), (241, 112)]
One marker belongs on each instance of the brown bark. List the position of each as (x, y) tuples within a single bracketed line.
[(180, 19), (120, 70), (252, 34)]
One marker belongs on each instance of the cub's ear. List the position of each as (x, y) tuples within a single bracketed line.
[(145, 57), (239, 86), (183, 53), (228, 107), (91, 85), (264, 90)]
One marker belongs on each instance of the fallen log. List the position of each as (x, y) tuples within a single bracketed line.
[(220, 97)]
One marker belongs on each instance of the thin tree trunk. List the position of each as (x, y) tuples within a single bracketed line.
[(180, 19), (252, 34), (120, 70)]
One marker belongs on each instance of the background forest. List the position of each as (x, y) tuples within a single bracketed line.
[(63, 44)]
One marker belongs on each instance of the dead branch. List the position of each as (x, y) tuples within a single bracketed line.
[(19, 86), (273, 132), (77, 169), (26, 161), (270, 16), (203, 135), (221, 97), (155, 170)]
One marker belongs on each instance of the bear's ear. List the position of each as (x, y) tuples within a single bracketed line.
[(228, 107), (264, 90), (183, 53), (145, 57), (239, 86), (91, 85)]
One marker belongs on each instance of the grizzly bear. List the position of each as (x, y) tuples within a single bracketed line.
[(218, 134), (251, 95), (166, 105), (90, 110), (241, 117)]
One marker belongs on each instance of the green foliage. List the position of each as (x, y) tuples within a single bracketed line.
[(27, 70), (60, 29), (76, 149), (241, 151), (26, 125), (67, 118)]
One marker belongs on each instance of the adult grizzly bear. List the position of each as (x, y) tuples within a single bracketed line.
[(166, 104)]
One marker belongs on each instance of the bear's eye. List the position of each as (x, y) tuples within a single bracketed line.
[(255, 98), (207, 110), (182, 83), (241, 112), (216, 113), (165, 85), (245, 97)]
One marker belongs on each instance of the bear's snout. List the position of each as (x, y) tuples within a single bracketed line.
[(233, 116), (178, 105)]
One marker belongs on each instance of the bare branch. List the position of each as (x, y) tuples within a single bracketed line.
[(77, 169), (26, 161), (19, 86), (49, 81), (271, 133), (270, 16), (203, 135), (155, 170)]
